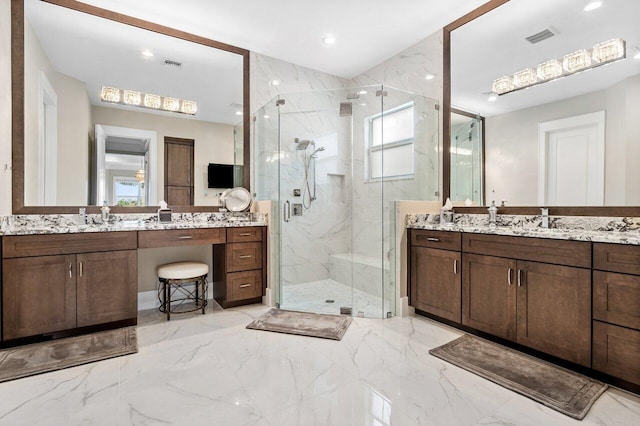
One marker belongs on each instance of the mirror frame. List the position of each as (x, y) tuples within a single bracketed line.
[(17, 104), (446, 143)]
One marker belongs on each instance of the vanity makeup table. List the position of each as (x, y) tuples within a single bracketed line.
[(55, 284)]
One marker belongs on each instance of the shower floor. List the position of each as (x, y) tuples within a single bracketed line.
[(312, 297)]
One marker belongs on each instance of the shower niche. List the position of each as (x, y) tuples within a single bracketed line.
[(333, 174)]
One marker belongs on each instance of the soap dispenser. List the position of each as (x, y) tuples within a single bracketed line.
[(493, 213), (105, 212)]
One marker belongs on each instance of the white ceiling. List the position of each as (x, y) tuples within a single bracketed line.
[(494, 45), (367, 31)]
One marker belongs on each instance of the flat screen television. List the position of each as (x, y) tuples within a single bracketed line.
[(220, 175)]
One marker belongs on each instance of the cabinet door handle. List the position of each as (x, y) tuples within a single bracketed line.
[(80, 268), (246, 256), (185, 237), (455, 266), (519, 277), (70, 270), (509, 276), (245, 285), (246, 234), (434, 239)]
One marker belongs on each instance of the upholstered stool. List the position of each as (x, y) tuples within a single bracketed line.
[(174, 281)]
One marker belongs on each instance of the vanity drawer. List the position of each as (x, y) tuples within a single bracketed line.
[(181, 237), (244, 234), (244, 256), (616, 351), (616, 258), (436, 239), (559, 252), (616, 298), (54, 244), (244, 285)]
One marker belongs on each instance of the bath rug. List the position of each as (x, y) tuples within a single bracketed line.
[(303, 323), (57, 354), (563, 390)]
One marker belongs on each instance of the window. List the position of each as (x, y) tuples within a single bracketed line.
[(127, 191), (390, 143)]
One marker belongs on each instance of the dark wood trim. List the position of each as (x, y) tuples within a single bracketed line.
[(614, 211), (17, 104)]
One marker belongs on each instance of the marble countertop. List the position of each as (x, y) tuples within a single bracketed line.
[(60, 224), (627, 236)]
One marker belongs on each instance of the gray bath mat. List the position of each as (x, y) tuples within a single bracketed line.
[(303, 323), (54, 355), (562, 390)]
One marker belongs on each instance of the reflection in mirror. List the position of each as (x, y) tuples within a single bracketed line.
[(466, 157), (84, 145), (568, 141)]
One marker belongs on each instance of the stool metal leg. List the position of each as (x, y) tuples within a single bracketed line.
[(204, 294), (167, 299)]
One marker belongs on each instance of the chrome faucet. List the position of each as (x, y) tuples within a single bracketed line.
[(493, 215), (545, 218)]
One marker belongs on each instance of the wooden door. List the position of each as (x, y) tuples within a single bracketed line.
[(178, 171), (38, 295), (489, 294), (107, 287), (436, 282), (554, 310)]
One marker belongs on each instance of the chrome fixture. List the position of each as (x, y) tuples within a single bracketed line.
[(493, 214), (302, 144), (307, 195), (545, 218)]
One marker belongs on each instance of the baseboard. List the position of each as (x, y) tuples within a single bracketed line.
[(149, 299)]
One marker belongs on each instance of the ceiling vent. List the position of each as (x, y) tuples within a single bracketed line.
[(174, 64), (542, 35)]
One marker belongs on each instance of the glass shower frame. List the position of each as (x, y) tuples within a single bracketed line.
[(358, 251)]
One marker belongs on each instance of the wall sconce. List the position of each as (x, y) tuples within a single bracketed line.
[(601, 54), (147, 100)]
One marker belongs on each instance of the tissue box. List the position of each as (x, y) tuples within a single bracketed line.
[(164, 215)]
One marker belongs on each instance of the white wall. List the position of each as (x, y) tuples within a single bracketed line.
[(213, 143), (511, 145), (5, 108)]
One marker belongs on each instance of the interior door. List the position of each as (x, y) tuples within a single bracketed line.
[(178, 171), (572, 161)]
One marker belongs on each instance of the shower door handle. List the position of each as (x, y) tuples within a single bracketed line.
[(287, 211)]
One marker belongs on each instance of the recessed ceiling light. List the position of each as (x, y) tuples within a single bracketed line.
[(238, 112), (429, 76), (592, 5), (492, 97), (147, 53), (274, 82), (329, 39), (266, 116), (362, 92), (363, 104)]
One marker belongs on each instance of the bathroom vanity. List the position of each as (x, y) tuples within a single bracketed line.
[(557, 293), (62, 283)]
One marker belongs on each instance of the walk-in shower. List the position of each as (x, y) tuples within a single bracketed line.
[(339, 162)]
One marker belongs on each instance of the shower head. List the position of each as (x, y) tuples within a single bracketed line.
[(317, 150), (302, 144)]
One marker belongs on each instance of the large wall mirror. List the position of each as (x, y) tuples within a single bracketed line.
[(119, 110), (546, 95)]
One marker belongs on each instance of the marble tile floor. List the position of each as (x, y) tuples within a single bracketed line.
[(210, 370), (312, 297)]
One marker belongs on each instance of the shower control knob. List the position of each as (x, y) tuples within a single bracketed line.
[(297, 192)]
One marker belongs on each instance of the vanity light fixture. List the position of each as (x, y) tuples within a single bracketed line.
[(602, 53), (329, 40), (593, 5), (147, 100)]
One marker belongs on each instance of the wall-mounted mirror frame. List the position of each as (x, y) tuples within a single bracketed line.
[(446, 162), (17, 103)]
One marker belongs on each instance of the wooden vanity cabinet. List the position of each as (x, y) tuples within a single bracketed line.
[(239, 267), (53, 283), (512, 295), (616, 311), (435, 284)]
